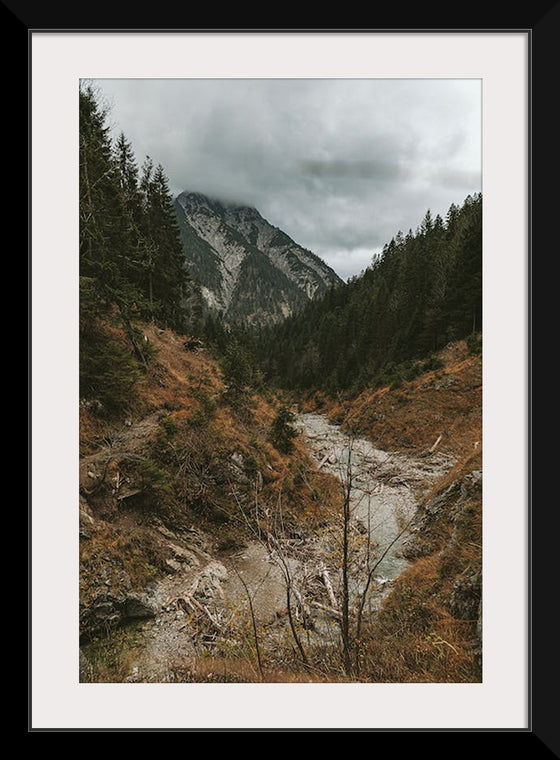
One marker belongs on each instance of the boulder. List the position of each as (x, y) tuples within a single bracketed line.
[(84, 668), (105, 611), (173, 566), (109, 610), (161, 528), (237, 469), (138, 606), (195, 538), (216, 571), (238, 460), (180, 554), (209, 582)]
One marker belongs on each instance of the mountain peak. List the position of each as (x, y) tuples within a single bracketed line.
[(195, 198), (249, 270)]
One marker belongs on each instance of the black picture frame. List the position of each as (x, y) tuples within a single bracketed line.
[(542, 31)]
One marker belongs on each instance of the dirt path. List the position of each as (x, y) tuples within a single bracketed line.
[(253, 572)]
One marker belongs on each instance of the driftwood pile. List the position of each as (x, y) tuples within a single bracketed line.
[(204, 625)]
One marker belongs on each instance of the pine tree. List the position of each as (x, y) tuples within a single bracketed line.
[(166, 273), (423, 290), (283, 431), (106, 243), (237, 369), (131, 260), (463, 302), (98, 219)]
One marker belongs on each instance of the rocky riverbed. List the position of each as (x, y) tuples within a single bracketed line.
[(385, 486), (215, 608)]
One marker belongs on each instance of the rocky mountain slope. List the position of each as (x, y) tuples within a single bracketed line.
[(249, 270)]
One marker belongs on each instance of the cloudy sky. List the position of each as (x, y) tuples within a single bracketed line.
[(339, 165)]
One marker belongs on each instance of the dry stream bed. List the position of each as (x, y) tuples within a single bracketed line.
[(209, 607)]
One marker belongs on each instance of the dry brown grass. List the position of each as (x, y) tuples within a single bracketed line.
[(471, 461), (415, 638), (446, 402), (176, 375), (194, 461), (245, 670)]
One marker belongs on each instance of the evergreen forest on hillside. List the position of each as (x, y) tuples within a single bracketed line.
[(422, 291), (132, 264)]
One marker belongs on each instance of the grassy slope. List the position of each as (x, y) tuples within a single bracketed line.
[(170, 461), (446, 402), (429, 629)]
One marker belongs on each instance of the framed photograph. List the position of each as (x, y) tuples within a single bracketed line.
[(292, 166)]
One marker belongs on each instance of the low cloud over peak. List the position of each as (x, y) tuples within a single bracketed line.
[(339, 165)]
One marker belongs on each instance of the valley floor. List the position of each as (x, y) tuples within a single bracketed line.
[(250, 586)]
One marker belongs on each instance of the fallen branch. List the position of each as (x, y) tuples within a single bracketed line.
[(306, 612), (323, 460), (330, 610), (324, 575), (435, 445), (188, 600)]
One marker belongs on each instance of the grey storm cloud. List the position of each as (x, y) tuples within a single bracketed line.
[(340, 165), (353, 169)]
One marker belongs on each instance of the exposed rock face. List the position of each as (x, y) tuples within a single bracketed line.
[(249, 270), (139, 606), (424, 538), (111, 609), (209, 582), (465, 598), (184, 556), (446, 507), (84, 668), (86, 519)]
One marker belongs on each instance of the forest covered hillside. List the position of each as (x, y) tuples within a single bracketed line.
[(439, 408), (131, 257), (423, 291)]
